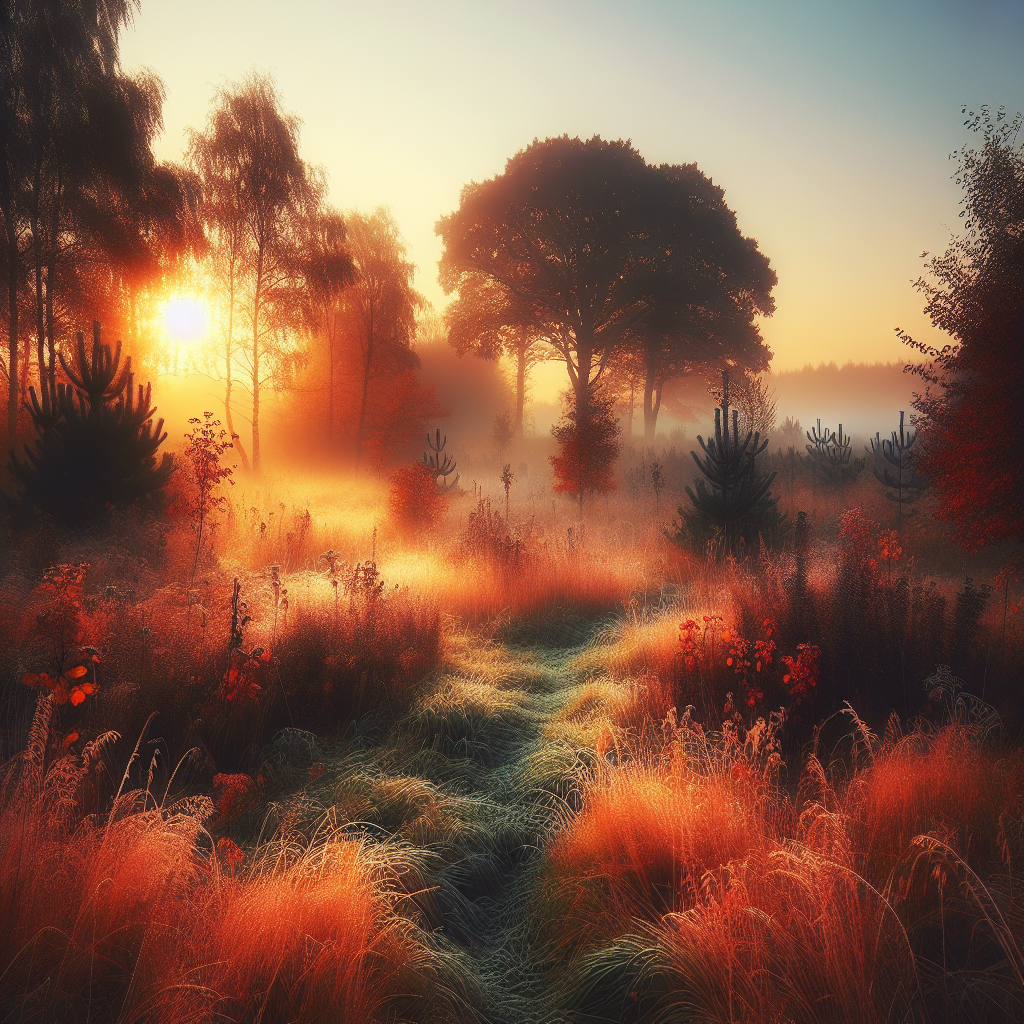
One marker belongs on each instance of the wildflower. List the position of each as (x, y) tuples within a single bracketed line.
[(230, 853), (803, 670)]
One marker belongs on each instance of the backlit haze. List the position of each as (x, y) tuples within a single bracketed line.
[(828, 125)]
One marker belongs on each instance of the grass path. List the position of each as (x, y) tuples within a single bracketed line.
[(534, 778), (463, 791)]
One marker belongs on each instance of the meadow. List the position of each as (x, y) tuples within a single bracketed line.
[(536, 767)]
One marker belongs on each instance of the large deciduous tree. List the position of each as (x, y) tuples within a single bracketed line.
[(603, 250), (259, 197), (328, 270), (972, 432), (560, 230), (702, 285), (377, 315)]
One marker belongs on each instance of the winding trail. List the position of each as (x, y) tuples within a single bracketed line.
[(460, 794), (533, 776), (505, 958)]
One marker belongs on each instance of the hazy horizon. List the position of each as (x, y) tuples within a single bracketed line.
[(829, 127)]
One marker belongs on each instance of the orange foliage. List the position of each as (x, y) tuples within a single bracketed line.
[(414, 500), (948, 788), (306, 946), (639, 848)]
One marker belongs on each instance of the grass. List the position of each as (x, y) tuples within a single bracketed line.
[(692, 883), (470, 774)]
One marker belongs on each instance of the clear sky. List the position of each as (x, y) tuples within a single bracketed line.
[(829, 125)]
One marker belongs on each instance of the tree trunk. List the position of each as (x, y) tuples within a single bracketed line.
[(37, 253), (520, 381), (12, 332), (650, 412), (229, 346), (367, 372), (256, 367), (361, 430), (51, 277), (632, 405), (331, 329)]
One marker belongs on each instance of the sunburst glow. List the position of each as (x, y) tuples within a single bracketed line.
[(185, 319)]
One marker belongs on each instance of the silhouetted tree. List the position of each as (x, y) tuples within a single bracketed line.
[(895, 466), (588, 446), (971, 430), (95, 442), (732, 497), (489, 320), (830, 457), (503, 433), (702, 283), (328, 271), (624, 379), (559, 229), (79, 188), (599, 247), (258, 197)]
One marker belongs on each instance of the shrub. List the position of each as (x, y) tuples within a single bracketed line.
[(414, 502), (588, 446)]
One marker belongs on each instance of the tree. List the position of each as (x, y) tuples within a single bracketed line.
[(732, 496), (378, 312), (830, 457), (258, 198), (624, 379), (329, 270), (397, 416), (895, 466), (503, 433), (588, 445), (703, 285), (95, 442), (489, 320), (757, 405), (971, 430), (79, 188), (599, 248), (206, 445), (560, 230)]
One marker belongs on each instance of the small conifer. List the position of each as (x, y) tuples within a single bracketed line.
[(95, 443)]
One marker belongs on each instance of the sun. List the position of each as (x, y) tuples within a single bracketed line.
[(185, 319)]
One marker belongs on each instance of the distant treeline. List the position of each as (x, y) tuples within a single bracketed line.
[(864, 397)]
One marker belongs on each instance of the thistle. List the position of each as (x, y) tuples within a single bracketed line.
[(830, 457)]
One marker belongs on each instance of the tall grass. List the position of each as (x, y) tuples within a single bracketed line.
[(136, 914), (693, 885)]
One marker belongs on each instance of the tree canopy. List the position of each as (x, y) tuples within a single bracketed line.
[(259, 200), (489, 320)]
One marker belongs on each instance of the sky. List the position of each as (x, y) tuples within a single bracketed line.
[(829, 125)]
